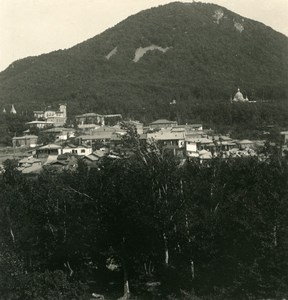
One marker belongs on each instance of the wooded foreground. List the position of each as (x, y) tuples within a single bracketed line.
[(216, 230)]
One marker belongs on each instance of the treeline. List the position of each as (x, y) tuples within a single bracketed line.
[(240, 120), (12, 125), (216, 230)]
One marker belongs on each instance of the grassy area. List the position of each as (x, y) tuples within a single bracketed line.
[(10, 153)]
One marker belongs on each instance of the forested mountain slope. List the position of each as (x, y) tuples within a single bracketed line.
[(191, 52)]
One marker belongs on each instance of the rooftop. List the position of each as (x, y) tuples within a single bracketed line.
[(245, 142), (58, 129), (29, 160), (163, 121), (199, 140), (40, 122), (166, 135), (50, 146), (25, 137)]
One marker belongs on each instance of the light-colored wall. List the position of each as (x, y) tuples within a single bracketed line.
[(78, 150), (192, 147)]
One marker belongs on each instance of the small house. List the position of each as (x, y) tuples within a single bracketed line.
[(162, 123), (29, 141)]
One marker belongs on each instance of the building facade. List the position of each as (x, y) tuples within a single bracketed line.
[(55, 117)]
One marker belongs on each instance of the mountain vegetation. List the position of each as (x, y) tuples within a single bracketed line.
[(209, 53)]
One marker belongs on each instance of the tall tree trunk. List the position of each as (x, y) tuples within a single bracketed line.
[(125, 272), (192, 269), (126, 281), (275, 235), (166, 250), (189, 243)]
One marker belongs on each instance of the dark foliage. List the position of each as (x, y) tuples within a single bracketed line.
[(217, 230)]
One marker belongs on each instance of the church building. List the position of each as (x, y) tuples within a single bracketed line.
[(239, 97)]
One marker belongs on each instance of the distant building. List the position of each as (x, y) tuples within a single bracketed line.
[(139, 126), (284, 136), (239, 97), (188, 127), (47, 150), (61, 162), (30, 165), (39, 124), (57, 118), (61, 133), (13, 110), (97, 119), (162, 123), (194, 146), (29, 141), (100, 136), (78, 150), (167, 138), (243, 144), (92, 159), (87, 127)]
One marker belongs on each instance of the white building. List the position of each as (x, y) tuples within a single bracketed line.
[(78, 150), (239, 97), (55, 117)]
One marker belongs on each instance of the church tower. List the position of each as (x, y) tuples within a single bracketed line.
[(63, 110), (13, 110)]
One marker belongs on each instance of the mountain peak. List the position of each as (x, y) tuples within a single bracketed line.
[(197, 50)]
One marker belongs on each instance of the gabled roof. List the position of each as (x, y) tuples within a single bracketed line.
[(112, 116), (57, 162), (245, 142), (199, 140), (58, 129), (222, 137), (166, 135), (32, 169), (99, 153), (91, 157), (50, 146), (25, 137), (178, 129), (88, 115), (96, 136), (189, 125), (40, 122), (108, 129), (228, 143), (99, 115), (71, 146), (29, 160), (162, 121)]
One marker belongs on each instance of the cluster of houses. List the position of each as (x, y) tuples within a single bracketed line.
[(95, 136)]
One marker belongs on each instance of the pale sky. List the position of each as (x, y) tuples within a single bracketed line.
[(33, 27)]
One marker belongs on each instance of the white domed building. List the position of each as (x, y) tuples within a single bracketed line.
[(239, 97)]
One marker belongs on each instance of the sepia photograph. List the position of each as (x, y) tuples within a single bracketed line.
[(143, 150)]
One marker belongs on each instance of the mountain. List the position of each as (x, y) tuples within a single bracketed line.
[(189, 52)]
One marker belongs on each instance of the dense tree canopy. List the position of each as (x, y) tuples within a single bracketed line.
[(215, 229)]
